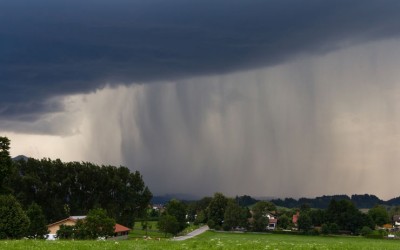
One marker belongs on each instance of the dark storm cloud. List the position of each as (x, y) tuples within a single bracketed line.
[(55, 48)]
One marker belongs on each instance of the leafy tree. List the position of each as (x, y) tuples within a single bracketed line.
[(13, 220), (75, 188), (379, 215), (216, 209), (284, 221), (200, 218), (317, 217), (260, 212), (38, 226), (325, 229), (333, 228), (366, 231), (98, 224), (178, 210), (235, 216), (347, 216), (5, 160), (168, 224), (66, 232), (304, 222), (245, 200), (394, 211)]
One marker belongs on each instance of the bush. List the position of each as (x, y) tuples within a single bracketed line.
[(366, 231), (169, 224), (211, 224), (38, 226), (325, 229), (14, 222), (333, 228), (65, 232)]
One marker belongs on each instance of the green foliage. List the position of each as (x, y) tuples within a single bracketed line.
[(211, 224), (217, 241), (98, 224), (200, 218), (168, 224), (5, 161), (347, 216), (366, 231), (38, 226), (62, 189), (260, 211), (379, 215), (333, 228), (304, 222), (329, 228), (235, 216), (66, 232), (284, 221), (317, 216), (14, 222), (177, 209), (325, 229), (216, 209), (245, 200)]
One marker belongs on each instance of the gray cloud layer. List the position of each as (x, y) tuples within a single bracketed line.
[(56, 48)]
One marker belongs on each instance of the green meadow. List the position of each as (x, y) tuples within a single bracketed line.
[(212, 240)]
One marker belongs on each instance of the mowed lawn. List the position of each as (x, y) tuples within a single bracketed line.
[(211, 240)]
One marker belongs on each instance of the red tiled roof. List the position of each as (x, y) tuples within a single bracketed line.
[(120, 228), (273, 220)]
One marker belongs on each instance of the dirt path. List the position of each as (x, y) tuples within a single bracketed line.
[(192, 234)]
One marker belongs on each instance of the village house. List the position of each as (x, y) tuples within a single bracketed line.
[(396, 221), (272, 222), (120, 231)]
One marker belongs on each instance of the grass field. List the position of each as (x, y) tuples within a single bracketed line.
[(211, 240)]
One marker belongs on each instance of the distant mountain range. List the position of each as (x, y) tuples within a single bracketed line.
[(20, 157)]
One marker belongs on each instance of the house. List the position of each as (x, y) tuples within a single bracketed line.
[(272, 221), (295, 218), (70, 221), (396, 220), (120, 231)]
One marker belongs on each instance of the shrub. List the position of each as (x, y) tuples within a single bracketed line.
[(14, 222)]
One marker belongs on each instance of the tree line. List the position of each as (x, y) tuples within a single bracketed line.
[(222, 213), (360, 201), (59, 189)]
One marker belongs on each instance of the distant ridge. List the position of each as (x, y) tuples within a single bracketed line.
[(163, 199), (20, 157)]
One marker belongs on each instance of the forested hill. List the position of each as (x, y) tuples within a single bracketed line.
[(361, 201), (73, 188)]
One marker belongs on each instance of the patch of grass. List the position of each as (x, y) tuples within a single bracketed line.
[(152, 231), (213, 240)]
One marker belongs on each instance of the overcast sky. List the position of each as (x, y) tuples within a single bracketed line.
[(259, 97)]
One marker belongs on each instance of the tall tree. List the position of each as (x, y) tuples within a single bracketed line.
[(13, 220), (235, 216), (5, 161), (178, 210), (379, 215), (38, 226), (98, 224), (260, 211), (216, 210), (168, 224), (347, 216), (304, 222)]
